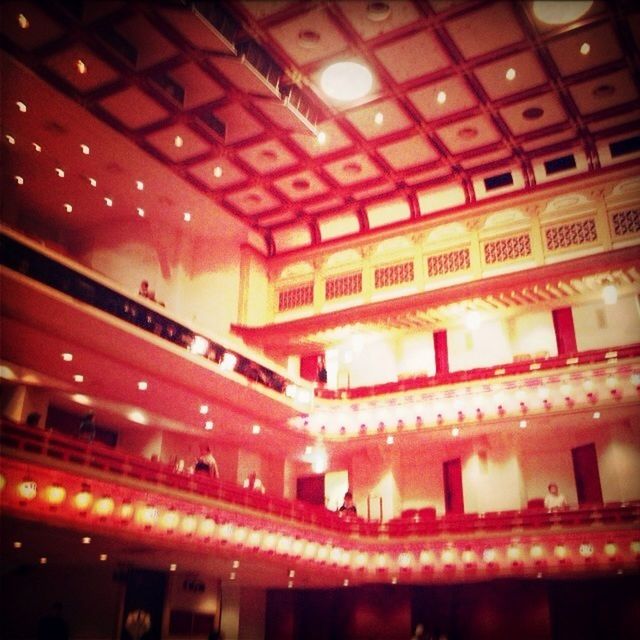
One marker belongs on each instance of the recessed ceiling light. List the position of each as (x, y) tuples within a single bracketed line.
[(178, 141), (17, 544), (204, 409), (510, 74), (352, 168), (78, 377), (143, 385), (103, 557), (19, 179), (93, 182), (86, 540), (10, 139), (60, 172), (81, 67), (308, 39), (187, 216), (321, 137), (603, 91), (467, 133), (43, 560), (378, 11), (139, 185), (455, 432), (67, 207), (108, 202), (232, 575), (208, 425), (255, 429), (378, 118), (560, 12), (140, 211), (67, 357), (85, 149), (37, 147), (21, 106), (346, 81), (596, 415), (585, 47), (441, 98), (173, 566), (300, 184), (523, 424), (217, 171), (23, 21), (532, 113)]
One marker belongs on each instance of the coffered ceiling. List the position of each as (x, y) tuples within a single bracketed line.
[(226, 98)]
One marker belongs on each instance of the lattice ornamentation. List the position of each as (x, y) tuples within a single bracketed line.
[(300, 296), (626, 222), (513, 248), (393, 274), (441, 264), (343, 285), (571, 234)]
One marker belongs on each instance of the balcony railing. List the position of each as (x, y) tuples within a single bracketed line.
[(91, 459)]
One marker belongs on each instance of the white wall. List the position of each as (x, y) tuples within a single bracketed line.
[(532, 333), (484, 346), (599, 326)]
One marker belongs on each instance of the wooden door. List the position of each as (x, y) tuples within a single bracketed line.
[(453, 497), (587, 476)]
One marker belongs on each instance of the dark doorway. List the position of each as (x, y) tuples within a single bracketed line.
[(453, 497), (311, 489), (585, 470)]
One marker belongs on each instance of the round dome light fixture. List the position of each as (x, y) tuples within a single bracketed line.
[(560, 12), (346, 81)]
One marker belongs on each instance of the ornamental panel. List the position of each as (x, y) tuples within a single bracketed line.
[(505, 249), (571, 234), (626, 222), (394, 274), (441, 264), (343, 285), (294, 297)]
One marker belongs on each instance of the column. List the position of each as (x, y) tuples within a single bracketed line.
[(564, 330)]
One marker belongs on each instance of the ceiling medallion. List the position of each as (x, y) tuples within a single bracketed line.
[(308, 39), (603, 91), (532, 113), (467, 133), (378, 11), (253, 198)]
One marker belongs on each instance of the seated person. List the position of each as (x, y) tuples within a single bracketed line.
[(554, 500), (254, 483), (87, 429), (206, 463), (145, 292), (348, 509)]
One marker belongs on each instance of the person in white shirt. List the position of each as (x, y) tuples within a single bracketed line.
[(254, 483), (554, 500)]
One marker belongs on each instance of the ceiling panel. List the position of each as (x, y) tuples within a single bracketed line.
[(441, 108)]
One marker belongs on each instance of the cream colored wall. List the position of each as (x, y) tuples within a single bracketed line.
[(599, 326), (416, 355), (484, 346), (254, 289), (195, 280), (532, 333), (499, 471)]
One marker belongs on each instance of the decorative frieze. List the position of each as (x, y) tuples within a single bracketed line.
[(571, 234), (626, 222), (506, 249), (394, 274), (294, 297), (343, 285), (442, 264)]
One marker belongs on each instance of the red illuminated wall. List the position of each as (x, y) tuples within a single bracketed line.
[(523, 609)]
